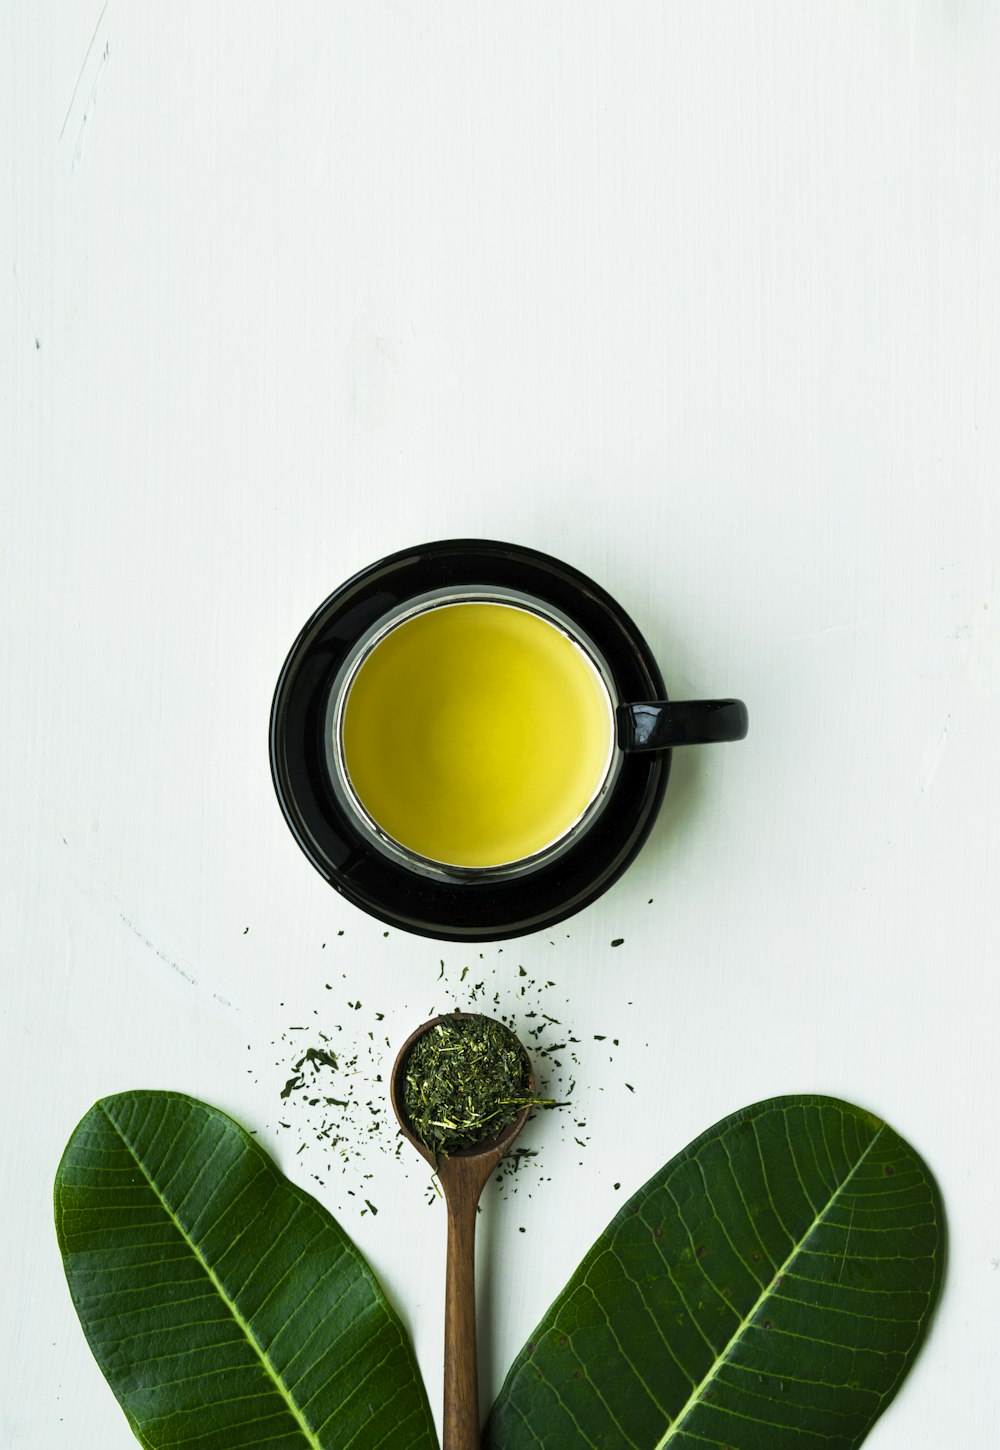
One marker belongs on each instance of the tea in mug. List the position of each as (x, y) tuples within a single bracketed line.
[(477, 734)]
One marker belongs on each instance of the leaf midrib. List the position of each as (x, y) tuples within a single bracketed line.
[(677, 1423), (217, 1284)]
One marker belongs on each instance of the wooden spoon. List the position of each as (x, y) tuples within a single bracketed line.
[(462, 1176)]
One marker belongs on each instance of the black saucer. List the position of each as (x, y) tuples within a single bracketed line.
[(487, 910)]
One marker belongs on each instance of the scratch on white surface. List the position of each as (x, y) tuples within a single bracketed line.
[(934, 757), (83, 67), (95, 877), (91, 102), (170, 961)]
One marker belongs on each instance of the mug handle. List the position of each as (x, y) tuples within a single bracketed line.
[(662, 724)]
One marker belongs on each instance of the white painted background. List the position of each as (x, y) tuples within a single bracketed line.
[(702, 298)]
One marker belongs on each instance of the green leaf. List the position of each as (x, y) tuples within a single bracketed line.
[(226, 1308), (766, 1290)]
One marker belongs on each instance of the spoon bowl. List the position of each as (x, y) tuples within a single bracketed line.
[(497, 1143), (463, 1176)]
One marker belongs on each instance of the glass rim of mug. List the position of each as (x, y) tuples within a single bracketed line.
[(364, 647)]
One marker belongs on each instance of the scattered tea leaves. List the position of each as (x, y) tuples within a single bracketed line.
[(331, 1078)]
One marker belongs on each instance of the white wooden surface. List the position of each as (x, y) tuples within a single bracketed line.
[(702, 298)]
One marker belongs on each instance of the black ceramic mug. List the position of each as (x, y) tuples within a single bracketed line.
[(471, 740)]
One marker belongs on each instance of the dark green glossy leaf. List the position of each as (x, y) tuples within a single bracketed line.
[(226, 1308), (767, 1290)]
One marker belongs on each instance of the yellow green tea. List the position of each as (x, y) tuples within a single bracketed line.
[(476, 734)]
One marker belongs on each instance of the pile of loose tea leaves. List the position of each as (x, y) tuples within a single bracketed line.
[(464, 1080)]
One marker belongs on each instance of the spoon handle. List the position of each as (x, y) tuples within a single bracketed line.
[(461, 1384)]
